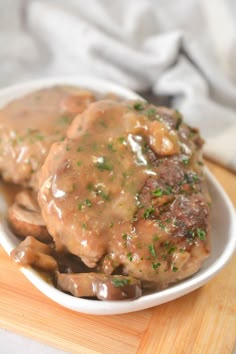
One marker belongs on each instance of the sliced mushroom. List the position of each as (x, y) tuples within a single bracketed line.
[(25, 218), (35, 253), (28, 200), (104, 287)]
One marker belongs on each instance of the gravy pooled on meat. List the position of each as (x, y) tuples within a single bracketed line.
[(30, 124), (125, 189)]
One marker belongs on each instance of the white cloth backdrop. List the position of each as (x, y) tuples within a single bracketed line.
[(185, 49)]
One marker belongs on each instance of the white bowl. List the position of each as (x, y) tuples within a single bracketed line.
[(223, 226)]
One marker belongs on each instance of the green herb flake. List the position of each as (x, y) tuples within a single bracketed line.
[(111, 147), (168, 190), (84, 226), (88, 203), (90, 187), (129, 256), (152, 250), (171, 249), (121, 140), (79, 149), (200, 163), (201, 234), (160, 223), (150, 112), (102, 194), (103, 165), (175, 269), (166, 243), (120, 282), (179, 119), (139, 106), (78, 163), (156, 265), (148, 212), (112, 224), (80, 206), (156, 237), (124, 236), (186, 161), (158, 192)]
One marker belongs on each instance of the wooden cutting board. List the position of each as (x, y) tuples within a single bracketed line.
[(201, 322)]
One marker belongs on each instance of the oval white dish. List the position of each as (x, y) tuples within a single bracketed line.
[(223, 226)]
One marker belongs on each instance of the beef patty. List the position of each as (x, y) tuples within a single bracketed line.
[(126, 189), (30, 124)]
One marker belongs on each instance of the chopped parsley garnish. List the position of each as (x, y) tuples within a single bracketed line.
[(111, 147), (168, 190), (175, 269), (201, 234), (90, 187), (185, 161), (124, 236), (156, 237), (104, 195), (152, 250), (179, 119), (79, 163), (79, 149), (150, 112), (80, 206), (129, 256), (158, 192), (171, 249), (139, 106), (148, 212), (119, 282), (88, 202), (166, 243), (121, 139), (156, 265), (103, 165)]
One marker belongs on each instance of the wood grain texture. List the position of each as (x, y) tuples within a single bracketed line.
[(203, 321)]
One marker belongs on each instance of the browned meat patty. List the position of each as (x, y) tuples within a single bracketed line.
[(29, 125), (126, 189)]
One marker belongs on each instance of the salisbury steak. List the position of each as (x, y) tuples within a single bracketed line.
[(30, 124), (125, 190)]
